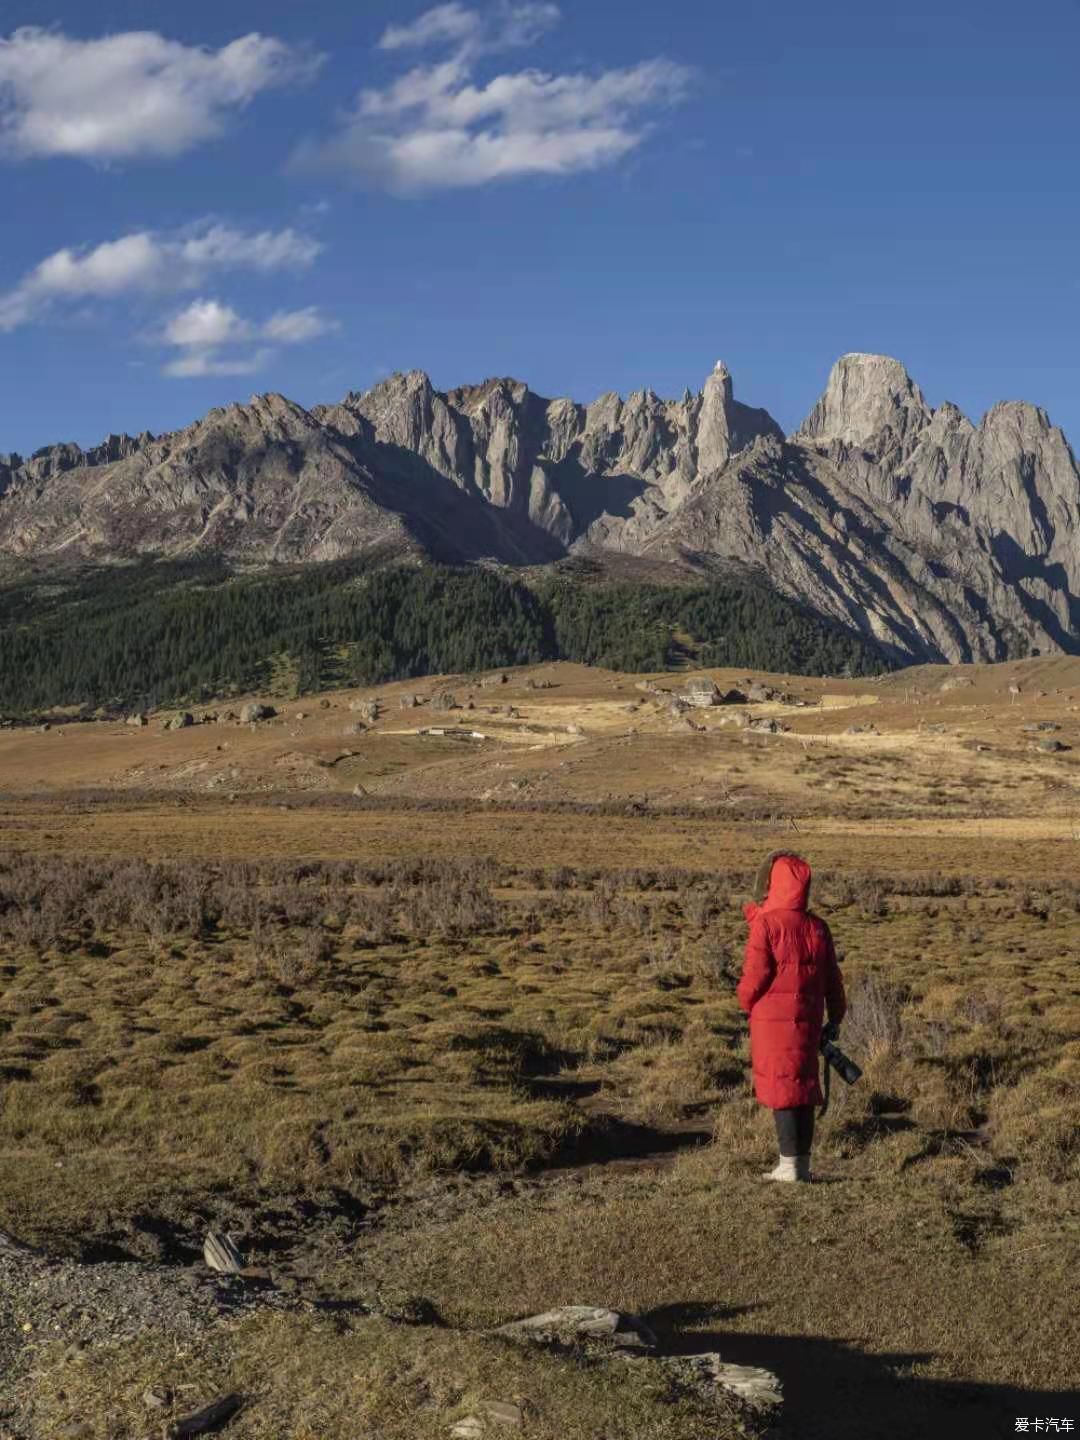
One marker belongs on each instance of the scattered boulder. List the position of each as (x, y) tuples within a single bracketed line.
[(221, 1254), (356, 728), (769, 727), (409, 702), (706, 1374), (324, 704), (701, 692), (471, 1428), (956, 682), (139, 720), (366, 709), (1043, 726), (591, 1326), (499, 678), (621, 1337), (503, 1414), (181, 721), (574, 730), (251, 713), (1051, 747), (444, 700)]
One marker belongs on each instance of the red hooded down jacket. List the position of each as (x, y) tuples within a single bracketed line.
[(790, 976)]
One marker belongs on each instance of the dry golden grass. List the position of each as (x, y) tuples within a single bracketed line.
[(406, 998), (310, 1378)]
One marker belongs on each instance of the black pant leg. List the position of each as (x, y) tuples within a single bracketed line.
[(805, 1128), (787, 1132)]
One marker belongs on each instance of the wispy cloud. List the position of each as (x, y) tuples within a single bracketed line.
[(208, 332), (198, 364), (436, 127), (131, 94), (293, 327), (443, 24), (503, 27), (150, 262)]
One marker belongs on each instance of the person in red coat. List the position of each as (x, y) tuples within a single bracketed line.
[(790, 980)]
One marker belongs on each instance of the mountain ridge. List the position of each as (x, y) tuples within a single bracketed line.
[(936, 537)]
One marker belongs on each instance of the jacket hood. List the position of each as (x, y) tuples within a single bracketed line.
[(789, 886)]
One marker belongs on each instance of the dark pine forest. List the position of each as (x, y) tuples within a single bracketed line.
[(159, 633)]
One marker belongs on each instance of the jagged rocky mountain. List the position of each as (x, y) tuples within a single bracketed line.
[(937, 537)]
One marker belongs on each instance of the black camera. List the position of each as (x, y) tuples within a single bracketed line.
[(844, 1066)]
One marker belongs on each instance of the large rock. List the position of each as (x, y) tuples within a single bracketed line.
[(701, 692), (707, 1375), (588, 1325), (618, 1335), (254, 711)]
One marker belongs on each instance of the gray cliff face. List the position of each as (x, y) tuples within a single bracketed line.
[(992, 509), (938, 537)]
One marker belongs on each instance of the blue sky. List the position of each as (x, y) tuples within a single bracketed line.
[(207, 200)]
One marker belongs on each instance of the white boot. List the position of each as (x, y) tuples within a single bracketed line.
[(786, 1169)]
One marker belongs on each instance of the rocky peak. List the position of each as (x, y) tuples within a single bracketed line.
[(724, 426), (868, 399), (1018, 419), (938, 536), (57, 459)]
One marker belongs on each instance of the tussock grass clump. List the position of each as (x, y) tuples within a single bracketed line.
[(303, 1023)]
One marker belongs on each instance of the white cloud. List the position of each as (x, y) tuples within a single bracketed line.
[(206, 323), (220, 247), (207, 327), (149, 262), (131, 94), (435, 127), (293, 327), (199, 363), (503, 27), (443, 23)]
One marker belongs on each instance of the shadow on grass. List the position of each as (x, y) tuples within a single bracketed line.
[(608, 1139), (835, 1391)]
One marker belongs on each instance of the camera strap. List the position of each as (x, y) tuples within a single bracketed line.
[(828, 1080)]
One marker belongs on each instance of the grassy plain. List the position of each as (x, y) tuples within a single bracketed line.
[(466, 1047)]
